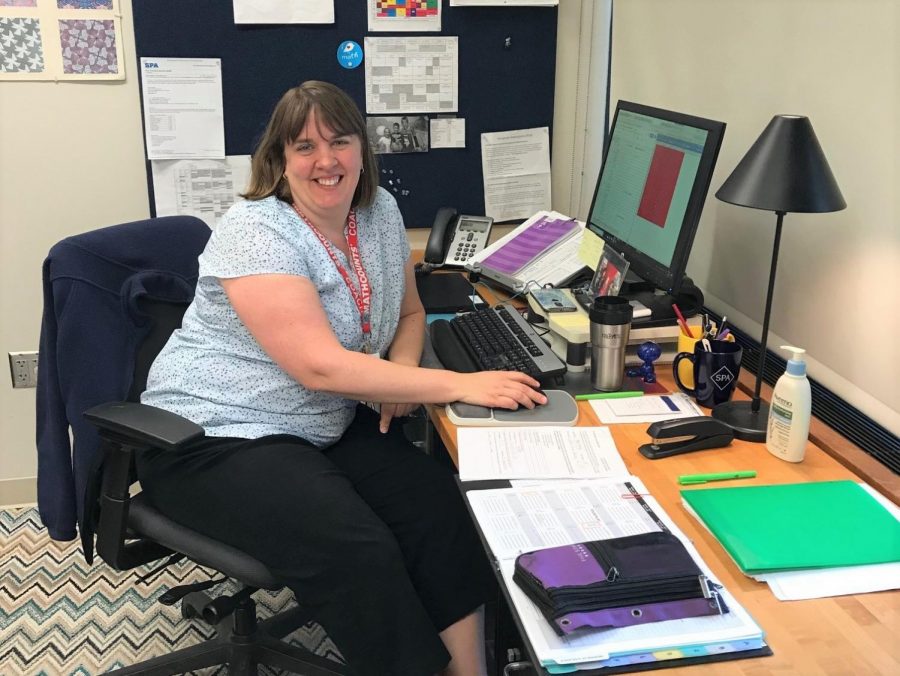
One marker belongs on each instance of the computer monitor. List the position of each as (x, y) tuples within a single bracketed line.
[(652, 185)]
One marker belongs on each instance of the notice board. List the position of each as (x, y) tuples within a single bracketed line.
[(507, 60)]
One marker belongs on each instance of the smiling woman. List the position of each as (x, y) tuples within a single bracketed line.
[(306, 305)]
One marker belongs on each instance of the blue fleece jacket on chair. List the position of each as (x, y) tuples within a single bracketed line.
[(90, 331)]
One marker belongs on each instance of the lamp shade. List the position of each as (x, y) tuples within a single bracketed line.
[(785, 170)]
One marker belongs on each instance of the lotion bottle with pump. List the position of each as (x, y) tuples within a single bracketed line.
[(789, 412)]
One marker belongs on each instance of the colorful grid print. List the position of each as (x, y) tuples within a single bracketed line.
[(84, 4), (88, 46), (20, 46), (406, 8), (18, 3)]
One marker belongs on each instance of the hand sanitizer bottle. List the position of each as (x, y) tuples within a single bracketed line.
[(790, 410)]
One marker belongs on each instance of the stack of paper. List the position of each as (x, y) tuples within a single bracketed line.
[(806, 540), (515, 520)]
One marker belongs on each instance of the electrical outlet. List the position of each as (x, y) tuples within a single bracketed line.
[(23, 368)]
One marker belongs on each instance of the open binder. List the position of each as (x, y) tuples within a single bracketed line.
[(542, 250), (503, 515)]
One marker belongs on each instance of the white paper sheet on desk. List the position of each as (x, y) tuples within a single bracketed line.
[(796, 585), (645, 409), (537, 453), (516, 520)]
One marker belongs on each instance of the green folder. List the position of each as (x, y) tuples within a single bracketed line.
[(795, 526)]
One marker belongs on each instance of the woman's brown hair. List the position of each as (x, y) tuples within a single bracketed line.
[(335, 110)]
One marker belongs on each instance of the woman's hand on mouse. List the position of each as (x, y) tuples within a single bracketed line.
[(500, 389)]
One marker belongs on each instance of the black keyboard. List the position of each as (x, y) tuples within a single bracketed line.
[(494, 339)]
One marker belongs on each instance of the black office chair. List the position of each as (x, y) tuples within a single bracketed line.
[(130, 532)]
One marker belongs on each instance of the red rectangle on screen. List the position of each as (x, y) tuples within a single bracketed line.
[(660, 185)]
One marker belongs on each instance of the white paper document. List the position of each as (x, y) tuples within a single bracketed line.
[(516, 520), (412, 75), (516, 170), (794, 585), (279, 11), (183, 108), (201, 188), (448, 132), (647, 409), (537, 453)]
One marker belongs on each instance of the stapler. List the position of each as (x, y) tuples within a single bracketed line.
[(683, 435)]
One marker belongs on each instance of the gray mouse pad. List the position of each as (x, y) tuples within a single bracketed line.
[(560, 409)]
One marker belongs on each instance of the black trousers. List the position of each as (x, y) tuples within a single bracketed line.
[(370, 533)]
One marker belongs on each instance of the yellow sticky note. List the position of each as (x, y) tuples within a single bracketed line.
[(590, 249)]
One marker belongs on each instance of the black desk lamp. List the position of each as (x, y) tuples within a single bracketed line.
[(784, 171)]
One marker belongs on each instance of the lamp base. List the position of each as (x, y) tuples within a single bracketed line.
[(747, 424)]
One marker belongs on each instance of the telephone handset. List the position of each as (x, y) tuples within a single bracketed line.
[(454, 239)]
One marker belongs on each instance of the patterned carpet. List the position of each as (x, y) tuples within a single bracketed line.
[(61, 617)]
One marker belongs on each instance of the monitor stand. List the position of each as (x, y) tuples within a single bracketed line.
[(689, 299)]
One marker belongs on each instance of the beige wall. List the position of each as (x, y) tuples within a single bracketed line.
[(71, 159), (838, 62)]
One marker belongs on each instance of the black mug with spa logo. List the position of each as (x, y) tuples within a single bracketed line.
[(715, 371)]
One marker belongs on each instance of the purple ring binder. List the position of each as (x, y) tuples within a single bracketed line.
[(618, 582)]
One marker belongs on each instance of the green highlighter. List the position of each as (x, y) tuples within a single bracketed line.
[(690, 479), (624, 394)]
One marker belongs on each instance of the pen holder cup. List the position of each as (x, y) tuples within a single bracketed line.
[(715, 372), (687, 344)]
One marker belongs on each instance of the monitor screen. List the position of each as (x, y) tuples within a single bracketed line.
[(652, 185)]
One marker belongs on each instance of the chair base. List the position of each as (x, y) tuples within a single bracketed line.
[(245, 647)]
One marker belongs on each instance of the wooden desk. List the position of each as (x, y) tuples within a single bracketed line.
[(840, 635)]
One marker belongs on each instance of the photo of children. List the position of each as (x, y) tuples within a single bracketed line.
[(398, 134), (610, 274)]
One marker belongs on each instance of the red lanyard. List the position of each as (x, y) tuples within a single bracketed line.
[(362, 296)]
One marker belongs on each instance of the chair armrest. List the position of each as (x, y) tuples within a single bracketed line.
[(142, 424)]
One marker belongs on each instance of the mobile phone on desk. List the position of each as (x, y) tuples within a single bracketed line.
[(553, 300)]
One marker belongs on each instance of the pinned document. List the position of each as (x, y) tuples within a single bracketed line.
[(516, 169)]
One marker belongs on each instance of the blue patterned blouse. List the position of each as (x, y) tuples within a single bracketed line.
[(213, 372)]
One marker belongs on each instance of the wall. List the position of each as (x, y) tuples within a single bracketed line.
[(838, 62), (71, 159)]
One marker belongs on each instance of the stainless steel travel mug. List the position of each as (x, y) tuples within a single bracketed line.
[(610, 324)]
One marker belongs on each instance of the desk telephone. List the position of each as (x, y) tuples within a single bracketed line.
[(454, 238)]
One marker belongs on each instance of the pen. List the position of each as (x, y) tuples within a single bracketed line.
[(722, 328), (624, 394), (689, 479), (681, 322), (722, 335)]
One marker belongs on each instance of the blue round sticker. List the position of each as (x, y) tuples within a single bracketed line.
[(349, 54)]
